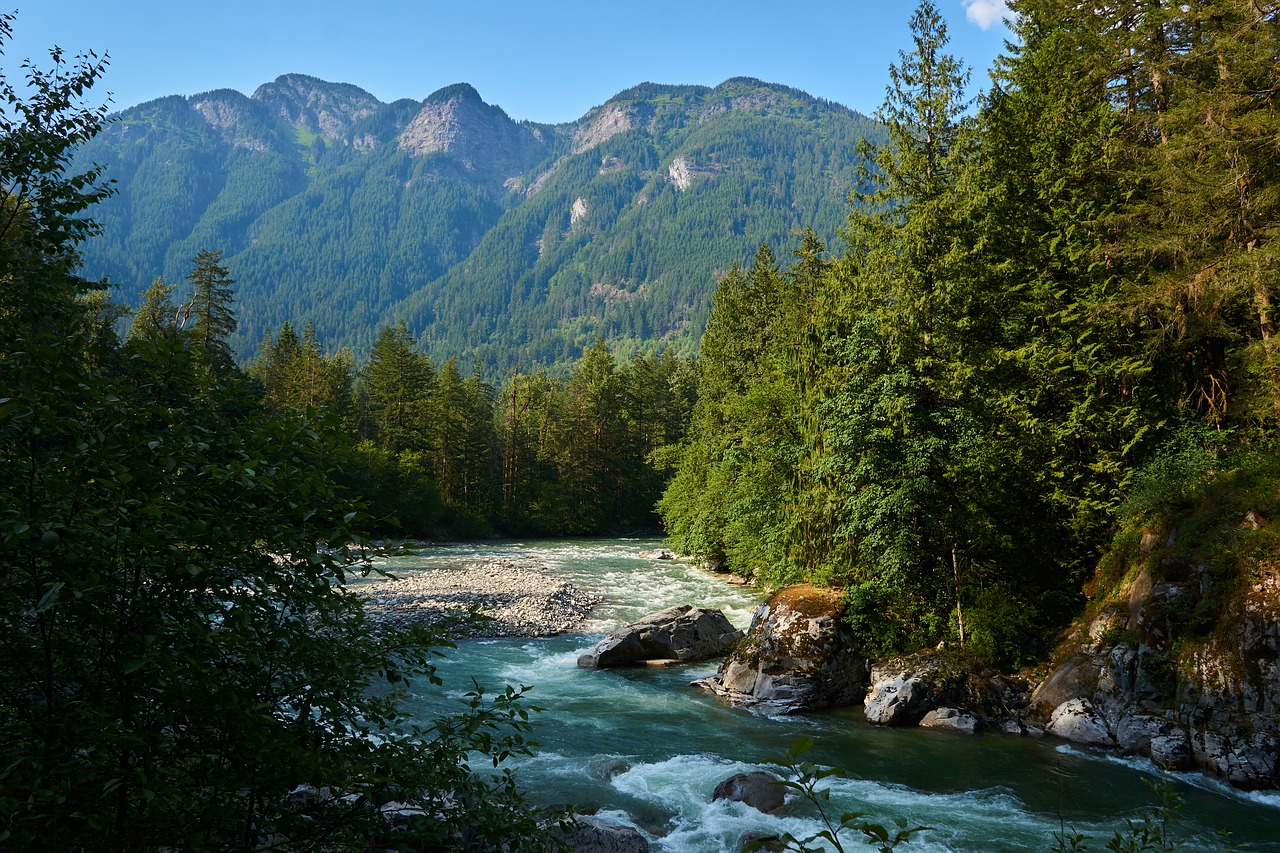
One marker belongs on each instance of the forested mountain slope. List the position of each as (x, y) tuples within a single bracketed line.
[(512, 241)]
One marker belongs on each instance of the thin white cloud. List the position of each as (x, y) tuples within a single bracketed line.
[(986, 13)]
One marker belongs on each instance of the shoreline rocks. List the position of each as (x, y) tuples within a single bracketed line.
[(590, 834), (1135, 677), (943, 689), (516, 598)]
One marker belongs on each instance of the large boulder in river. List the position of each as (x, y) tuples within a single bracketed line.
[(798, 655), (681, 633), (1177, 660), (762, 791)]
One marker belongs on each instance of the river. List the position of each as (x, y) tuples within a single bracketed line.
[(643, 747)]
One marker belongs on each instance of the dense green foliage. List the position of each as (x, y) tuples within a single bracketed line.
[(330, 211), (442, 454), (1035, 295), (182, 664)]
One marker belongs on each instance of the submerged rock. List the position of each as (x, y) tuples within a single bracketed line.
[(759, 790), (681, 633), (797, 656)]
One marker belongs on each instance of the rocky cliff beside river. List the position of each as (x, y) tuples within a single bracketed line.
[(1149, 672), (1133, 675)]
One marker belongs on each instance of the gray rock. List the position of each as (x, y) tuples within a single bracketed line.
[(767, 841), (1171, 749), (905, 689), (681, 633), (758, 789), (951, 718), (1124, 670), (797, 656), (1076, 720), (593, 835), (658, 554), (896, 700)]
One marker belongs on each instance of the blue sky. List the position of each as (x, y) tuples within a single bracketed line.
[(549, 61)]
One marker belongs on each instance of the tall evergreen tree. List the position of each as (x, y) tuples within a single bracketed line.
[(905, 443), (398, 381), (211, 312)]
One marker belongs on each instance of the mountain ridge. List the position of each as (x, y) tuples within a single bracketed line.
[(507, 242)]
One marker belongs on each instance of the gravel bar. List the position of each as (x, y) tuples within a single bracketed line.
[(521, 598)]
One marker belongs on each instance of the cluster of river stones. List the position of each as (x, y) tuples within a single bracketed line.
[(1105, 688), (497, 597)]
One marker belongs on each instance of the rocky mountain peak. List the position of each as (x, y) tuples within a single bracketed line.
[(327, 109), (222, 108), (462, 92), (235, 117), (456, 120)]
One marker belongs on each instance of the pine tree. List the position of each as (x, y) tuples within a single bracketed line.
[(155, 317), (398, 382), (211, 313), (905, 445)]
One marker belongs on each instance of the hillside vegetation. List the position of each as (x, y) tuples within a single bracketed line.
[(517, 244)]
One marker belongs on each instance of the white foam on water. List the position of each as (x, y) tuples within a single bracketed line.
[(1193, 778), (683, 785)]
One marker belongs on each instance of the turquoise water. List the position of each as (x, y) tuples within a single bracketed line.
[(645, 748)]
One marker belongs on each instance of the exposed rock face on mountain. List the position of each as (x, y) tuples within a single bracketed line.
[(512, 242), (942, 690), (1135, 674), (797, 656), (681, 633), (327, 109), (456, 121)]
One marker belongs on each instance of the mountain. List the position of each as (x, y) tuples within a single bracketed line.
[(512, 242)]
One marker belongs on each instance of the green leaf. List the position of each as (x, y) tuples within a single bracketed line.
[(50, 598)]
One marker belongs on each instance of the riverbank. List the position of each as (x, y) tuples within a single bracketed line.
[(513, 597), (643, 748)]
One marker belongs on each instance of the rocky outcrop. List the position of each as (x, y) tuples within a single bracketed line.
[(326, 109), (760, 790), (1136, 675), (797, 656), (589, 834), (239, 120), (604, 123), (681, 633), (942, 689), (482, 137)]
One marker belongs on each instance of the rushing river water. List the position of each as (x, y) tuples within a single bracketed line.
[(645, 748)]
